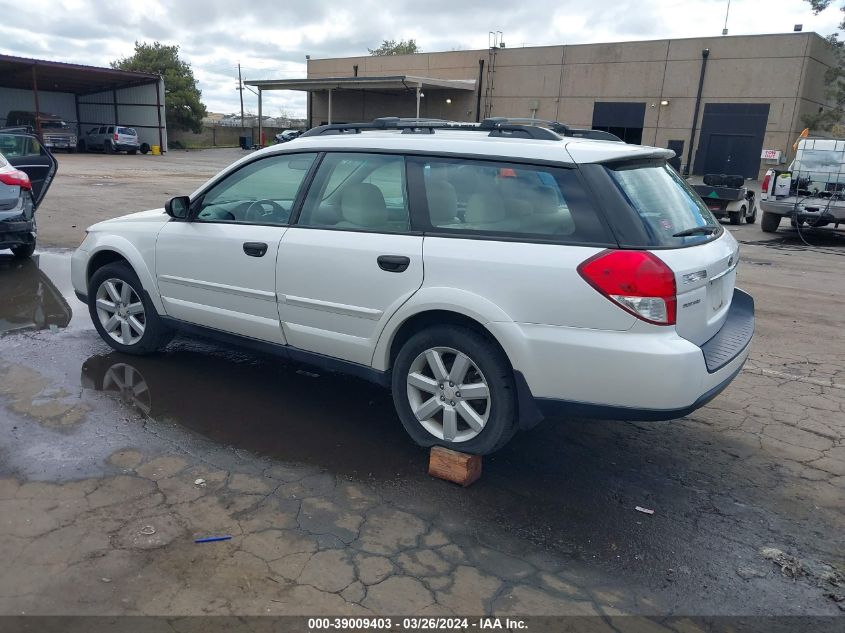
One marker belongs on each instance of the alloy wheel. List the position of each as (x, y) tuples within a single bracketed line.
[(120, 311), (448, 394)]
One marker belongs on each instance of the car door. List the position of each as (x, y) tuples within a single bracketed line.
[(26, 153), (350, 260), (218, 269)]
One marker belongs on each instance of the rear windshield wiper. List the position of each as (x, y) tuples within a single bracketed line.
[(707, 229)]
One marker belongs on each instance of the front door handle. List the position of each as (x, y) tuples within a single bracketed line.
[(394, 263), (255, 249)]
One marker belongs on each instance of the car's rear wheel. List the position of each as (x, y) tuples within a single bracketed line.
[(108, 148), (770, 222), (22, 251), (454, 387), (751, 218), (122, 313), (736, 216)]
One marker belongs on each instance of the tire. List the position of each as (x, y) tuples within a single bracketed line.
[(132, 152), (145, 147), (108, 148), (752, 217), (770, 222), (23, 251), (127, 337), (735, 217), (494, 419)]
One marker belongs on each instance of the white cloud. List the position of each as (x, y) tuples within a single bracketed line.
[(270, 39)]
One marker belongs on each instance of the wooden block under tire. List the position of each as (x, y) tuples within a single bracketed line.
[(450, 465)]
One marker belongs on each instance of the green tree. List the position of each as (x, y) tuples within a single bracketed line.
[(184, 109), (834, 77), (392, 47)]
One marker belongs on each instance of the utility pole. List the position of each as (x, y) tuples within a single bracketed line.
[(241, 92)]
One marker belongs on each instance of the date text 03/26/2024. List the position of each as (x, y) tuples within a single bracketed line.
[(416, 624)]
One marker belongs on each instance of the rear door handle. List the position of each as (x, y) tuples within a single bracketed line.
[(394, 263), (255, 249)]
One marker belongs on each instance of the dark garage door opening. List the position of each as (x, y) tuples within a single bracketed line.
[(731, 139), (624, 119)]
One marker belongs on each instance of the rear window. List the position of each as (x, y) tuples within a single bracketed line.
[(509, 200), (127, 130), (665, 204)]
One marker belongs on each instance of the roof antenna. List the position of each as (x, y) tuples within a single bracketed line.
[(727, 13)]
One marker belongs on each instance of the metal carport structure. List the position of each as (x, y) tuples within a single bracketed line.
[(389, 84), (85, 95)]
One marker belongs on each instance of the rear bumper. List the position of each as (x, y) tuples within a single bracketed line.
[(15, 231), (822, 210), (650, 375)]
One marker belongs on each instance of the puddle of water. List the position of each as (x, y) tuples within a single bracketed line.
[(263, 406), (37, 294)]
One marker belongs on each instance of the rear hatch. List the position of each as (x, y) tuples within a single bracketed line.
[(126, 136), (652, 208)]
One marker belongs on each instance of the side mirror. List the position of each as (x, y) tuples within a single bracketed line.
[(178, 207)]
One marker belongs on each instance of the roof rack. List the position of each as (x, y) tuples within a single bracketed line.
[(555, 126), (496, 127)]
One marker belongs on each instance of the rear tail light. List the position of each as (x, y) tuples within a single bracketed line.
[(16, 178), (764, 188), (115, 136), (636, 281)]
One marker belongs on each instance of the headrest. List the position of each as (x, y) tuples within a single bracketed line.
[(483, 208), (442, 202), (363, 204)]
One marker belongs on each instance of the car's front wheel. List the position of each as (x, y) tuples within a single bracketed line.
[(122, 313), (22, 251), (453, 387)]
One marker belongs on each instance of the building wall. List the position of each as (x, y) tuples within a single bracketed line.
[(564, 82)]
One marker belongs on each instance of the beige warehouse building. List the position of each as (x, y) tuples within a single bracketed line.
[(731, 97)]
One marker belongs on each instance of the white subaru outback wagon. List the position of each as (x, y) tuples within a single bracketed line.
[(489, 274)]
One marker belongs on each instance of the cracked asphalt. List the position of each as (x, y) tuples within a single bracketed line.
[(111, 466)]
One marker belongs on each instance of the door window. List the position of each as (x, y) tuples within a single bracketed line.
[(19, 145), (364, 192), (261, 192)]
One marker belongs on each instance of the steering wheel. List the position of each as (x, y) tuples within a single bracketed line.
[(265, 209)]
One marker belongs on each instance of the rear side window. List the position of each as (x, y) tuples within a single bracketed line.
[(664, 204), (509, 200), (110, 130)]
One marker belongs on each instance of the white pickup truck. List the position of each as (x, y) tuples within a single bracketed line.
[(811, 192)]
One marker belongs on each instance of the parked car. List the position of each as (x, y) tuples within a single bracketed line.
[(27, 169), (811, 191), (287, 135), (55, 132), (488, 274), (111, 139)]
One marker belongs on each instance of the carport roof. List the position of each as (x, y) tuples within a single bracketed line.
[(17, 72), (387, 82)]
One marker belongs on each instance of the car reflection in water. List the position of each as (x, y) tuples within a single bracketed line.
[(263, 405), (28, 299)]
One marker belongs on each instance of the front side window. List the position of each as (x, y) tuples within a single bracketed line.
[(261, 192), (509, 200), (363, 192)]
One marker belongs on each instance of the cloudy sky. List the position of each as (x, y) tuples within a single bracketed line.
[(270, 38)]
